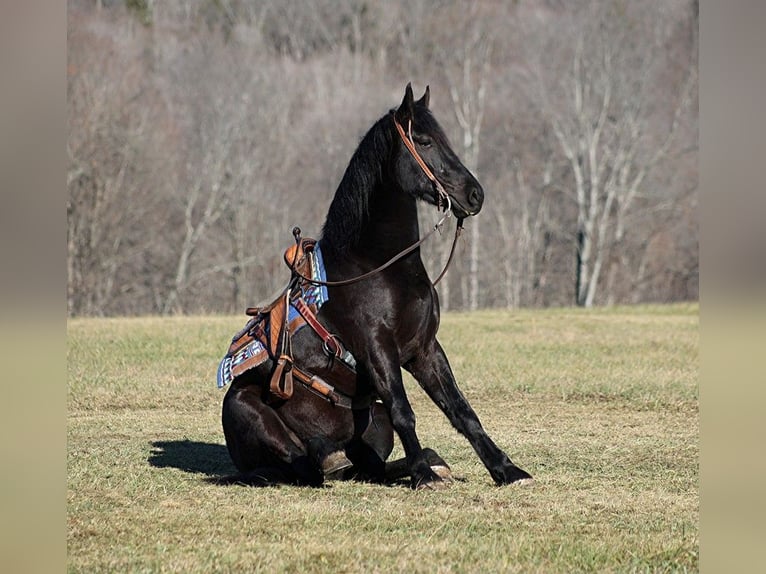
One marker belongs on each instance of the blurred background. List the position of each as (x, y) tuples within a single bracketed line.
[(201, 131)]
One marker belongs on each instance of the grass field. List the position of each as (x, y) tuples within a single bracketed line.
[(601, 406)]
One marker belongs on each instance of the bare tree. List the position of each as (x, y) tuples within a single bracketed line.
[(111, 116), (468, 90), (218, 187), (200, 133), (598, 102)]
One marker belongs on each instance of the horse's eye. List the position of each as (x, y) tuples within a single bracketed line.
[(423, 141)]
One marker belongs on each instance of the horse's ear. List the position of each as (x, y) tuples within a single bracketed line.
[(407, 108), (426, 99)]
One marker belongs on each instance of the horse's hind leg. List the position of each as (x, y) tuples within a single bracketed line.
[(260, 444)]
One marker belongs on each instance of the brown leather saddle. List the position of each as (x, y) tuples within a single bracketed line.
[(268, 335)]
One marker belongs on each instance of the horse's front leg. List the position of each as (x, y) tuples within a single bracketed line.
[(432, 371), (386, 378)]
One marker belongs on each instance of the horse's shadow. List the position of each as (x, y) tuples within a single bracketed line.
[(213, 461), (209, 459), (193, 457)]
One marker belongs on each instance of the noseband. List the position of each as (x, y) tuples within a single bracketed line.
[(443, 201)]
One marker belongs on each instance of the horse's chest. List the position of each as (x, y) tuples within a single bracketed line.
[(399, 309), (418, 320)]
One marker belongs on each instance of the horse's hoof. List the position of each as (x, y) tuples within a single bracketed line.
[(334, 464), (513, 475), (442, 472)]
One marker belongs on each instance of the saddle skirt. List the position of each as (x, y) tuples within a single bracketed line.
[(258, 341)]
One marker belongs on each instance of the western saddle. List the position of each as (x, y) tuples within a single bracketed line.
[(273, 327)]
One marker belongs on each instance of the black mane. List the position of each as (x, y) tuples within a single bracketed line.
[(348, 211)]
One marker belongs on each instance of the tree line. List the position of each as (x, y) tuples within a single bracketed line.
[(201, 131)]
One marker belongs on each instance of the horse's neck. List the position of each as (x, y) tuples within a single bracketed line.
[(392, 225)]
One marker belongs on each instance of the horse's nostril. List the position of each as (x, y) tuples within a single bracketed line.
[(476, 197)]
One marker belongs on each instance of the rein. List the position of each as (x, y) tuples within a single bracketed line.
[(442, 199)]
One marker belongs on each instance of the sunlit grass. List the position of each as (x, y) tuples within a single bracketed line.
[(600, 406)]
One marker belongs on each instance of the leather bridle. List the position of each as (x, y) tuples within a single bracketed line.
[(442, 195), (442, 200)]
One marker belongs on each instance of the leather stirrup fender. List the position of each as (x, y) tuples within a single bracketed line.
[(277, 321), (281, 385)]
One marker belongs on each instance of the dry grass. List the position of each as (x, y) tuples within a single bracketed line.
[(600, 406)]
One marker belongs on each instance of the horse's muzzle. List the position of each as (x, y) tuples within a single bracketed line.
[(475, 199), (470, 204)]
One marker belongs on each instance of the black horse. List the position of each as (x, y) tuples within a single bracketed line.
[(388, 320)]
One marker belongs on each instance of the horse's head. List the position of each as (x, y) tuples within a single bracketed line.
[(420, 132)]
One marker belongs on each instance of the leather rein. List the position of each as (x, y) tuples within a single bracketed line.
[(443, 200)]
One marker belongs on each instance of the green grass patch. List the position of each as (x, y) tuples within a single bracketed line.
[(601, 406)]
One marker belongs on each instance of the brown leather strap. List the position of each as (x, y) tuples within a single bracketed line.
[(332, 344), (458, 232), (390, 262), (320, 387), (410, 144), (281, 384), (330, 341), (387, 264)]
